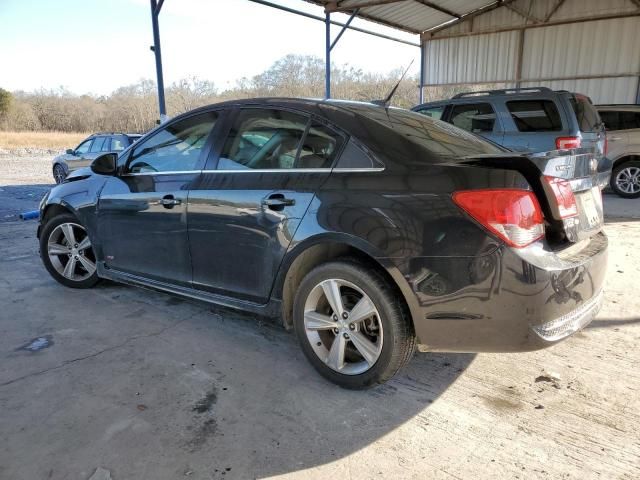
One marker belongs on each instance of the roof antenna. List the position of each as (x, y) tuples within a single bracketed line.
[(387, 101)]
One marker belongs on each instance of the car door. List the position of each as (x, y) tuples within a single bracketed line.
[(76, 159), (142, 212), (94, 151), (251, 197), (477, 117)]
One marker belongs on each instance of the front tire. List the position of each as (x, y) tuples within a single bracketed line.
[(67, 253), (352, 326), (625, 179), (59, 174)]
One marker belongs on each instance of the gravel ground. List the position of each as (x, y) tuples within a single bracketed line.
[(126, 383)]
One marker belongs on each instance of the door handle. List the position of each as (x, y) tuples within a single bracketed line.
[(277, 202), (168, 201)]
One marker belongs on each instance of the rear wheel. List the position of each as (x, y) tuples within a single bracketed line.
[(625, 179), (67, 254), (352, 326), (58, 173)]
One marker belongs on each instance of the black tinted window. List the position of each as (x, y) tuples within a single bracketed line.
[(176, 147), (535, 115), (586, 114), (319, 147), (106, 146), (611, 120), (630, 120), (270, 139), (354, 157), (475, 117), (433, 112)]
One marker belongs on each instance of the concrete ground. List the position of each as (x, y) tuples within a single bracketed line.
[(125, 383)]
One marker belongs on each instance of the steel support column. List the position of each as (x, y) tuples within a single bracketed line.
[(155, 11), (327, 56), (423, 51)]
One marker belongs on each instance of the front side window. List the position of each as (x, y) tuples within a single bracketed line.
[(535, 115), (98, 142), (474, 117), (272, 139), (433, 112), (175, 148), (106, 146), (84, 147)]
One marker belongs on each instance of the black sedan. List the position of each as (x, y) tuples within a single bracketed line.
[(368, 230)]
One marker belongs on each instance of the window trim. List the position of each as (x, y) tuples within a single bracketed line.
[(82, 143)]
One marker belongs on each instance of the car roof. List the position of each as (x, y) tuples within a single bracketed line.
[(488, 95), (619, 106)]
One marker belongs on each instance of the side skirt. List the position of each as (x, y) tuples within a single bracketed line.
[(271, 309)]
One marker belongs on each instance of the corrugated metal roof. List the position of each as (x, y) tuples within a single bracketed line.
[(415, 16)]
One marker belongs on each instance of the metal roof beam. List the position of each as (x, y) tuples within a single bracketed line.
[(340, 7), (525, 15), (554, 10), (333, 22), (438, 8), (468, 16)]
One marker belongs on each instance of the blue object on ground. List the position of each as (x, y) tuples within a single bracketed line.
[(33, 214)]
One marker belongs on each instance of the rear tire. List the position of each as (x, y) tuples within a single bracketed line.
[(66, 251), (352, 326), (625, 179)]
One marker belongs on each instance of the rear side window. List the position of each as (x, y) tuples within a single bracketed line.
[(433, 112), (535, 115), (354, 157), (266, 139), (586, 114), (106, 146), (97, 144), (117, 144), (475, 117)]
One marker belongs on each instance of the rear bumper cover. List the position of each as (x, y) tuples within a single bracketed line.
[(508, 300)]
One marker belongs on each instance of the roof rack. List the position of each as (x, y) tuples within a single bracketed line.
[(503, 91)]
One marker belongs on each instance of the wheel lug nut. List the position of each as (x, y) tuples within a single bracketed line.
[(345, 315), (352, 326), (335, 318), (346, 336), (336, 331)]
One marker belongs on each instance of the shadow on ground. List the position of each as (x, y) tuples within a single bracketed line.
[(147, 385)]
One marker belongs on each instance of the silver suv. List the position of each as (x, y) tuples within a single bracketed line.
[(88, 150), (623, 136)]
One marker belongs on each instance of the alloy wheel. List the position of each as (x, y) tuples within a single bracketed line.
[(58, 174), (70, 252), (343, 326), (628, 180)]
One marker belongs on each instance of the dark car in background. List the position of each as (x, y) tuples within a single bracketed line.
[(524, 119), (366, 229), (623, 136), (88, 150)]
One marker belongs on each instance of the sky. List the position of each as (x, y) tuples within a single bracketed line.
[(96, 46)]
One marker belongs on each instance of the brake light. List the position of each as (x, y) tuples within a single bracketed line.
[(564, 196), (567, 142), (513, 215)]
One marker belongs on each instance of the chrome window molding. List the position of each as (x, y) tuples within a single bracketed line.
[(263, 170)]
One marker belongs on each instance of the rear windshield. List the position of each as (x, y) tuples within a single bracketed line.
[(586, 114), (438, 137), (535, 115)]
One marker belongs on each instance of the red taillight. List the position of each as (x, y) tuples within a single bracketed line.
[(513, 215), (606, 145), (563, 194), (567, 142)]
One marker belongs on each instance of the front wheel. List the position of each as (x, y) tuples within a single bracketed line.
[(59, 174), (66, 251), (625, 179), (352, 326)]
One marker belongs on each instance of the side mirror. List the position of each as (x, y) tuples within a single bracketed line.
[(70, 151), (105, 164)]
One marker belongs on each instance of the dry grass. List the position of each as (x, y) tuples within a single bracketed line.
[(53, 140)]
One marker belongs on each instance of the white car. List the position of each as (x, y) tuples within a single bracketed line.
[(623, 136)]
